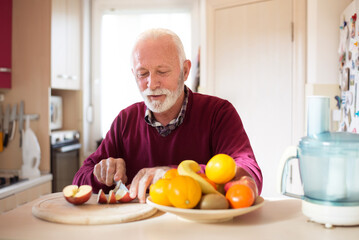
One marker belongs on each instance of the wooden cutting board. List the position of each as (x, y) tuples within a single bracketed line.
[(55, 208)]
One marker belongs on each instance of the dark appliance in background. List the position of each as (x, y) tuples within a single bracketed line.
[(8, 178), (65, 152)]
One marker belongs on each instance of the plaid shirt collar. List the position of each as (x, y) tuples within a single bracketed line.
[(172, 125)]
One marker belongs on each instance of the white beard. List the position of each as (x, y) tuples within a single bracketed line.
[(171, 97)]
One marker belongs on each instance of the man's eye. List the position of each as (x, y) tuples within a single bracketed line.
[(162, 72), (144, 74)]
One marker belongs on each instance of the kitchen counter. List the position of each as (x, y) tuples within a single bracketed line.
[(23, 185), (24, 191), (277, 219)]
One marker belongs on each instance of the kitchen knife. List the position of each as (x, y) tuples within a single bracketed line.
[(6, 125), (21, 120), (120, 185), (1, 136), (12, 122)]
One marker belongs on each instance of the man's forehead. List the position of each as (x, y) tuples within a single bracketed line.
[(159, 56)]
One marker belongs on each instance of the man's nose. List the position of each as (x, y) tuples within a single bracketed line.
[(153, 82)]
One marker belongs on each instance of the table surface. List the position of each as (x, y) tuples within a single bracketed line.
[(277, 219)]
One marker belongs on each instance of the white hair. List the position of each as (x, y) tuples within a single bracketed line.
[(156, 33)]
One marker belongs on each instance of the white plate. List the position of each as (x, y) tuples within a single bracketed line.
[(207, 216)]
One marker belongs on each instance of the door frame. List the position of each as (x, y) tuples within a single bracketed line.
[(299, 46)]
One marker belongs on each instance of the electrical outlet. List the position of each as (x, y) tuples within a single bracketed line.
[(2, 97)]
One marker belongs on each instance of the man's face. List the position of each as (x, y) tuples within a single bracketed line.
[(158, 73)]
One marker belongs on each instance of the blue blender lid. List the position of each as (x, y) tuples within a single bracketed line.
[(342, 140)]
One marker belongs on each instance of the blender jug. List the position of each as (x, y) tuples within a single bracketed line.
[(328, 162)]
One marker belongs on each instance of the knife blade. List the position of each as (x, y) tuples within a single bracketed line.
[(21, 120), (13, 122), (6, 125), (1, 135), (119, 185)]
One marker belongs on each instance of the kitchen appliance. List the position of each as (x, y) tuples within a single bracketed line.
[(329, 169), (65, 147), (55, 112), (31, 153), (9, 177)]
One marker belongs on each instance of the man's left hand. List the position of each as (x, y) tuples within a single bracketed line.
[(143, 179)]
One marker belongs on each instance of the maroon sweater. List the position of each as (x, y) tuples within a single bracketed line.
[(211, 126)]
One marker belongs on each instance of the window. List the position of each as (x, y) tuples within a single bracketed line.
[(118, 34), (109, 85)]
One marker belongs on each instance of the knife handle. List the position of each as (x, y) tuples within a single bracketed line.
[(6, 138), (1, 146), (20, 139)]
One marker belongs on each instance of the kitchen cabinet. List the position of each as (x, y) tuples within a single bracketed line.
[(5, 43), (65, 44), (20, 193)]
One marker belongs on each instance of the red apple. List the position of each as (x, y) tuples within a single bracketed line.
[(246, 180), (111, 197), (77, 195), (101, 197), (123, 196)]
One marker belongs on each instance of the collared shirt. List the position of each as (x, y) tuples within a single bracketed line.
[(173, 124)]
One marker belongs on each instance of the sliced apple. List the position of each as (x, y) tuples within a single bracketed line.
[(123, 196), (77, 195), (101, 197), (111, 197)]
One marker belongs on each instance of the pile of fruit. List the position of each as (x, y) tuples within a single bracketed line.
[(185, 187)]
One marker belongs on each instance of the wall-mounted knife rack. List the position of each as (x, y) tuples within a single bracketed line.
[(34, 116)]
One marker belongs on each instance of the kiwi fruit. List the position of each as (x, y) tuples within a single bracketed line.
[(213, 201)]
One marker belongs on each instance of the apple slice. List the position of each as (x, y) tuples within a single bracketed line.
[(77, 195), (101, 197), (111, 197), (123, 196)]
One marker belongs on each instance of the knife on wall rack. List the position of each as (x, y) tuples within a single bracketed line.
[(12, 125), (6, 125), (21, 120), (1, 135), (10, 118)]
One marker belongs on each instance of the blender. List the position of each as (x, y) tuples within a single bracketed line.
[(329, 169)]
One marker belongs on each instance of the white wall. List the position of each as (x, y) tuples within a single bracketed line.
[(323, 40)]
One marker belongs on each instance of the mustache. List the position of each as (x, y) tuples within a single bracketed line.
[(159, 91)]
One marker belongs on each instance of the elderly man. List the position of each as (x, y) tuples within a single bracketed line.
[(171, 125)]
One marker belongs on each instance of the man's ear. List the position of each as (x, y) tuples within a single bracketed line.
[(186, 68)]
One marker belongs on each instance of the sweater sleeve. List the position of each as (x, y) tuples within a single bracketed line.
[(108, 148), (229, 137)]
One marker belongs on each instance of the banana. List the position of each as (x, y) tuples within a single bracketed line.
[(190, 168)]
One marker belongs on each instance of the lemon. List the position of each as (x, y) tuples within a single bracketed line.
[(159, 191), (221, 168)]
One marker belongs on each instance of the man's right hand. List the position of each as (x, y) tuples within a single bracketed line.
[(110, 169)]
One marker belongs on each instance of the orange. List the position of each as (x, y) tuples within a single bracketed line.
[(170, 174), (240, 196), (184, 192), (221, 168), (208, 180), (159, 191)]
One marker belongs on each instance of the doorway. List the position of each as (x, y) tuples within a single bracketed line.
[(251, 64)]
